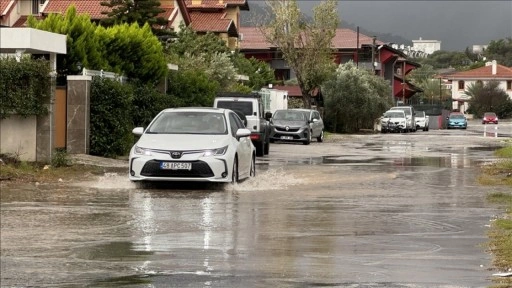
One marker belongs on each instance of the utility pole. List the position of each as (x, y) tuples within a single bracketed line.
[(374, 38)]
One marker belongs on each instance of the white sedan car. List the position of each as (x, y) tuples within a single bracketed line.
[(193, 144)]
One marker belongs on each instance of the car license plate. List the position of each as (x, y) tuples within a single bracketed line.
[(287, 137), (176, 165)]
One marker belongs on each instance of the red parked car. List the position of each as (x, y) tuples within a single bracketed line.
[(490, 117)]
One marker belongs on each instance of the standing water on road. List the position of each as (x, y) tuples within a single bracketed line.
[(348, 214)]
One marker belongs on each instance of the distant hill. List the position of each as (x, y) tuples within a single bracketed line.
[(258, 10)]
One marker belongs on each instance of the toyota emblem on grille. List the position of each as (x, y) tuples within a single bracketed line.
[(176, 154), (287, 128)]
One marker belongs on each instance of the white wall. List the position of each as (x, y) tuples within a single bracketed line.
[(18, 137), (461, 95)]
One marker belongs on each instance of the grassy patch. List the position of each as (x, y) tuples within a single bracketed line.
[(500, 233), (34, 172)]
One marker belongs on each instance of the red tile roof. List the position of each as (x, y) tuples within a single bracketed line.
[(91, 7), (344, 39), (217, 4), (5, 6), (483, 73), (210, 22)]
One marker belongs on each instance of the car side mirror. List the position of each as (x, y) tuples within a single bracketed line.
[(242, 132), (138, 131), (268, 115)]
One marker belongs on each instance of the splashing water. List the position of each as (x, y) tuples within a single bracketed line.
[(272, 179), (110, 181)]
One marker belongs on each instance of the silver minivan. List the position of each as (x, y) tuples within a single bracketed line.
[(409, 115)]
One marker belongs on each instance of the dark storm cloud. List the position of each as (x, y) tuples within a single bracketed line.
[(458, 24)]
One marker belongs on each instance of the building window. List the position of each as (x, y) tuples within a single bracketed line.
[(509, 84), (461, 85), (282, 74)]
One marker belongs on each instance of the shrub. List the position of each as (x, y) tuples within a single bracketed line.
[(111, 118)]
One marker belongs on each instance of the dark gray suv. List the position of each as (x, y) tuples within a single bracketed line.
[(299, 125)]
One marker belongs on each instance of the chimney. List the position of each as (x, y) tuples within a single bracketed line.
[(494, 68), (196, 2)]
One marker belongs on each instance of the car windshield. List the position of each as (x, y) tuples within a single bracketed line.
[(489, 115), (457, 116), (394, 114), (406, 110), (188, 123), (419, 114), (289, 115), (244, 107)]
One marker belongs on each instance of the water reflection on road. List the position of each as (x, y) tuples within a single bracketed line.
[(362, 218)]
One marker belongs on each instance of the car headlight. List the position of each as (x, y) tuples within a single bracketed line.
[(141, 151), (215, 152)]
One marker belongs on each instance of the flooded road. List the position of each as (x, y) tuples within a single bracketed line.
[(393, 210)]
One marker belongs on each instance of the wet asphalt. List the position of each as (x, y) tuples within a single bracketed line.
[(375, 210)]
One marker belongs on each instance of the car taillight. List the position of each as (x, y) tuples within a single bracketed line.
[(255, 136)]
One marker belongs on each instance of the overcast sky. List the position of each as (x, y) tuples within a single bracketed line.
[(457, 24)]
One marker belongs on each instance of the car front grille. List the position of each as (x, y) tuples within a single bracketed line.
[(284, 129), (199, 169)]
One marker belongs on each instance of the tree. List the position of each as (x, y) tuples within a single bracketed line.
[(446, 59), (134, 52), (260, 73), (501, 51), (354, 99), (208, 53), (191, 88), (306, 46), (83, 45), (133, 11), (489, 97)]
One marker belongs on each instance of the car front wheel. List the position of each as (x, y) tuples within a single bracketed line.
[(234, 174), (321, 137), (252, 173)]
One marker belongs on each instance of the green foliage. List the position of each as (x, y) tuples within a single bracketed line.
[(191, 88), (488, 97), (134, 11), (354, 99), (83, 44), (60, 158), (447, 59), (240, 87), (134, 52), (260, 73), (111, 122), (24, 87), (306, 45), (147, 102), (501, 51), (188, 41)]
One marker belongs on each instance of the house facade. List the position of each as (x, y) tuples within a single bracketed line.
[(460, 81), (221, 17), (347, 45)]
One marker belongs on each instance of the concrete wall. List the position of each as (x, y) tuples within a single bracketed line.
[(18, 137)]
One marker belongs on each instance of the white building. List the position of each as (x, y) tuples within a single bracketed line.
[(462, 80), (426, 46)]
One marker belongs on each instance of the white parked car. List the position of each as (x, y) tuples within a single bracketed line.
[(193, 144), (421, 120), (393, 121)]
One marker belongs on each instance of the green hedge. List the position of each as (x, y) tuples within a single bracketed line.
[(111, 118), (25, 87)]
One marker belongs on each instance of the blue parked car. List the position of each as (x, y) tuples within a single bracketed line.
[(456, 120)]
